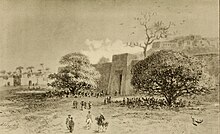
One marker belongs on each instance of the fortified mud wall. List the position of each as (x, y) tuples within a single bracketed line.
[(212, 61), (104, 70)]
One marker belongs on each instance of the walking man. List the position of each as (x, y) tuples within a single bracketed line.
[(88, 120), (68, 121), (100, 122), (71, 125)]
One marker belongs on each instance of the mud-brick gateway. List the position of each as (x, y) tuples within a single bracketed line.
[(116, 75)]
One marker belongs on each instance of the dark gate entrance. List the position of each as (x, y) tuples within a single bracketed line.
[(119, 81), (30, 83)]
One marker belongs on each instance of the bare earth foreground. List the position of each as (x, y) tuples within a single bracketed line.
[(28, 113)]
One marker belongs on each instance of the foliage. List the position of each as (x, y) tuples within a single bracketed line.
[(30, 69), (77, 74), (103, 60), (170, 74), (74, 60), (20, 69)]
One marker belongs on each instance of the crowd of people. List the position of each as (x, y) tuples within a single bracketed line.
[(90, 94), (57, 93), (78, 94), (151, 102)]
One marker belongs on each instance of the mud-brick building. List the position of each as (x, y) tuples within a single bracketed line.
[(24, 80), (116, 75)]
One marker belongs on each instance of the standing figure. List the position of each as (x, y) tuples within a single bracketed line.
[(90, 104), (88, 120), (105, 102), (68, 121), (116, 93), (82, 104), (123, 101), (71, 124), (76, 104), (85, 104), (110, 99)]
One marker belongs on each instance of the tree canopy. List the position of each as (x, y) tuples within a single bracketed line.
[(170, 74), (77, 73), (19, 68)]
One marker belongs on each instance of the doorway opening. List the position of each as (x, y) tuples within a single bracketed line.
[(119, 81)]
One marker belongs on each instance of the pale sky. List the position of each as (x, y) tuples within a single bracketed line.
[(41, 31)]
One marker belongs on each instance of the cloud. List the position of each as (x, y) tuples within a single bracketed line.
[(94, 44), (107, 48)]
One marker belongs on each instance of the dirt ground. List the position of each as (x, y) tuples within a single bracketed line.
[(24, 113)]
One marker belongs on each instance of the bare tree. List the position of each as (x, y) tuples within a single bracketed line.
[(154, 31)]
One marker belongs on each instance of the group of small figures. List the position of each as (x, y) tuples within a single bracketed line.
[(83, 105), (56, 93), (102, 124), (107, 100), (79, 94), (152, 102), (89, 94)]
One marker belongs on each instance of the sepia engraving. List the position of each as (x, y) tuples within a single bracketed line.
[(109, 66)]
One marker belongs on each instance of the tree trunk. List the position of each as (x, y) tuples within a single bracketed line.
[(169, 100), (145, 52)]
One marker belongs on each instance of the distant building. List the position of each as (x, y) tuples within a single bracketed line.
[(24, 79), (186, 42)]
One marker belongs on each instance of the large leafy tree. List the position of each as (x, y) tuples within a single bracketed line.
[(170, 74), (77, 73)]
